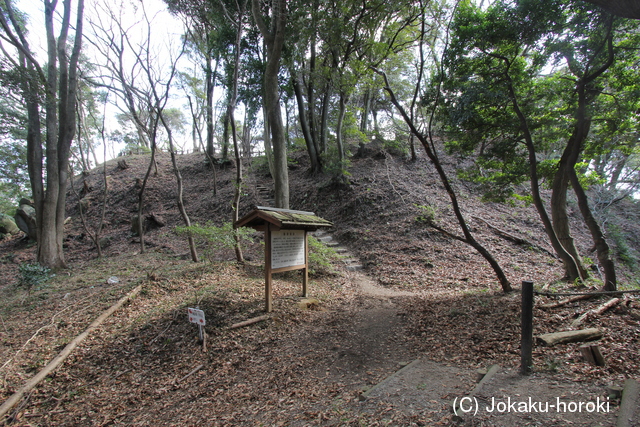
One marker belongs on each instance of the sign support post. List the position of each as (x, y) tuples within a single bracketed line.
[(267, 270), (305, 270)]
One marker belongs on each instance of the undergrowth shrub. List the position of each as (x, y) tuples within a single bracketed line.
[(216, 240), (623, 251), (33, 276), (321, 257)]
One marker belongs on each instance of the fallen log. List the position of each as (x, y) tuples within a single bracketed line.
[(629, 403), (569, 336), (596, 311), (568, 300), (249, 322), (44, 372)]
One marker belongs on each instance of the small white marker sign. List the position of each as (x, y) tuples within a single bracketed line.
[(196, 316)]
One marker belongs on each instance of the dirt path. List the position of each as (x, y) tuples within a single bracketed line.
[(425, 390), (415, 389)]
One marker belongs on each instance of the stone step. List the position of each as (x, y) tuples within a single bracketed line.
[(351, 262)]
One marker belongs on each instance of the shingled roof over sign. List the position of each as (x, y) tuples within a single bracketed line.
[(284, 219)]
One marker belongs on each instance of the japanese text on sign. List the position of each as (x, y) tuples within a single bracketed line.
[(287, 248)]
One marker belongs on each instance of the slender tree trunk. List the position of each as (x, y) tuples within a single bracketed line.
[(210, 158), (287, 123), (311, 148), (366, 107), (34, 147), (210, 76), (311, 96), (561, 219), (602, 248), (324, 120), (339, 139), (416, 92), (468, 236), (238, 190), (179, 198), (246, 137), (268, 149), (225, 136), (569, 262), (234, 134), (96, 233), (141, 193)]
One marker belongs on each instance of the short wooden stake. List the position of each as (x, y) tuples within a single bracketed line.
[(592, 355), (526, 341)]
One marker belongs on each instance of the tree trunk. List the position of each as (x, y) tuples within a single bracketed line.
[(311, 95), (143, 187), (324, 119), (561, 225), (366, 107), (59, 81), (570, 264), (468, 237), (225, 136), (304, 124), (179, 198), (602, 248), (339, 140), (210, 78), (268, 150), (234, 134), (274, 39), (559, 206)]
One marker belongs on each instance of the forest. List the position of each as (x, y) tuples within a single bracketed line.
[(457, 147), (555, 85)]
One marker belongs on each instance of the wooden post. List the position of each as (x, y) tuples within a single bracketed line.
[(526, 341), (267, 269), (305, 270)]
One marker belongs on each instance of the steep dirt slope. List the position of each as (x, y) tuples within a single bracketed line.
[(383, 215)]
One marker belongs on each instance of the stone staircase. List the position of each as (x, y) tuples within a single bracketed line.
[(352, 263), (264, 194)]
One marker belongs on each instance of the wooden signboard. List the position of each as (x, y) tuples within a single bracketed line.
[(286, 243), (288, 249), (285, 250)]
